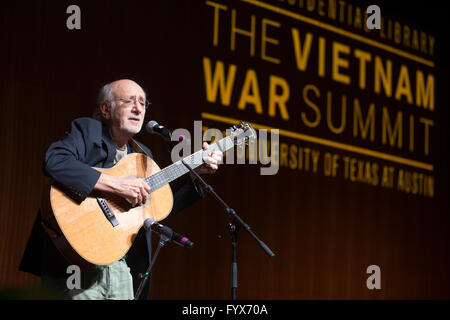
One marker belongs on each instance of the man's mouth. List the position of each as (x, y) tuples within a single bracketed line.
[(135, 120)]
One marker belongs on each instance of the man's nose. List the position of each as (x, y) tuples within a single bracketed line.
[(137, 108)]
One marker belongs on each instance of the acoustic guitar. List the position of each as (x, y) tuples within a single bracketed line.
[(101, 229)]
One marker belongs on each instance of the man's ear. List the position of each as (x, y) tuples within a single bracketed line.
[(105, 109)]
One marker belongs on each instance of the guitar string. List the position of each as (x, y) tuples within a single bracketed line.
[(178, 169)]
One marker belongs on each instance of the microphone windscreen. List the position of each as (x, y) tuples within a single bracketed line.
[(150, 125)]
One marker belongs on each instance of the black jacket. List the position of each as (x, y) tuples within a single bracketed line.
[(69, 162)]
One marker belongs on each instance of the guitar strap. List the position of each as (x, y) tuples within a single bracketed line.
[(137, 148)]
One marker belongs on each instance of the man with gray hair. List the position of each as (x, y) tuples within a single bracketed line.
[(101, 142)]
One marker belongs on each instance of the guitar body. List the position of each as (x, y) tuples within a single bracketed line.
[(85, 234)]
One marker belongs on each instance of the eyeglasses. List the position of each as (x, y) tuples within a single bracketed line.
[(129, 101)]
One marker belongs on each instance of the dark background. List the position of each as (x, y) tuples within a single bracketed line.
[(324, 231)]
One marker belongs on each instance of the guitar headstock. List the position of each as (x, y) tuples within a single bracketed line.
[(242, 133)]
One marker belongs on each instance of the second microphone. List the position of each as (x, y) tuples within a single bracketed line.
[(151, 224)]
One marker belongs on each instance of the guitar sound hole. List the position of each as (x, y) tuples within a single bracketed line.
[(119, 204)]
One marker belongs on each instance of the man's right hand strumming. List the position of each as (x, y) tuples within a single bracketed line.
[(135, 190)]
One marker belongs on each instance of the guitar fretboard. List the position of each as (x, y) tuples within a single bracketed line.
[(177, 169)]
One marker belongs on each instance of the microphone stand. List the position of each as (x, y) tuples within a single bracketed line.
[(163, 239), (234, 227)]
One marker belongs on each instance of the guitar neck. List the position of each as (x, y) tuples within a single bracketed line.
[(177, 169)]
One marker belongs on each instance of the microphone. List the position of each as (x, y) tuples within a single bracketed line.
[(151, 224), (155, 128)]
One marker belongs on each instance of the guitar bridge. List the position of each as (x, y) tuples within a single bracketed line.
[(107, 211)]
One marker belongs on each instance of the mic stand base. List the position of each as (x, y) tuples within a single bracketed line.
[(234, 269), (233, 229)]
